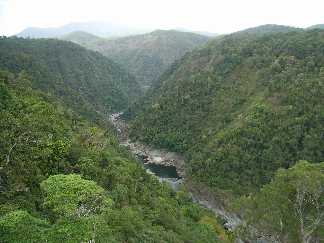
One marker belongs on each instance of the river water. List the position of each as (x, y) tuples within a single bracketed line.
[(156, 162)]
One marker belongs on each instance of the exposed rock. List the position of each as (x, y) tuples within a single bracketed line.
[(148, 154)]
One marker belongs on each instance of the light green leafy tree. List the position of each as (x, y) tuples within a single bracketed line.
[(291, 207), (72, 196)]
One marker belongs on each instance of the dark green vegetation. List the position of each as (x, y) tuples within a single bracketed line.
[(86, 81), (240, 108), (63, 179), (290, 208), (268, 29), (243, 109), (145, 56)]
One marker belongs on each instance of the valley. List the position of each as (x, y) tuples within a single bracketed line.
[(145, 56), (162, 136)]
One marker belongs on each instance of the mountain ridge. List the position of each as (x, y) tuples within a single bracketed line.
[(103, 29), (81, 77)]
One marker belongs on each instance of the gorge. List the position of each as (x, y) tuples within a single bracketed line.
[(169, 167)]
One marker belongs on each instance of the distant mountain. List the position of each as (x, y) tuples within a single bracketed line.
[(317, 26), (102, 29), (205, 33), (84, 39), (240, 107), (145, 56), (80, 36), (85, 80)]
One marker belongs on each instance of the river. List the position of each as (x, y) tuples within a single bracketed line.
[(159, 163), (169, 167)]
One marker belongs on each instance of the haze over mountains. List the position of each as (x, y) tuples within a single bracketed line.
[(112, 30), (145, 56), (317, 26), (102, 29)]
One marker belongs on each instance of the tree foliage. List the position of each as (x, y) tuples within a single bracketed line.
[(291, 207), (70, 195), (84, 80)]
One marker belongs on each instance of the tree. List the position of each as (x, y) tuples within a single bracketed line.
[(72, 196), (291, 207)]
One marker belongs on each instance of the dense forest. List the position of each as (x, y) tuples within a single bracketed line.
[(64, 179), (288, 209), (145, 56), (86, 81), (240, 108), (244, 110)]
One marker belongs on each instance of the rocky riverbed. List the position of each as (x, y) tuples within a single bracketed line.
[(148, 154), (166, 166)]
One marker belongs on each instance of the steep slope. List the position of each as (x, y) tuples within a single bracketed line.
[(65, 180), (84, 39), (102, 29), (148, 56), (81, 37), (240, 108), (85, 80)]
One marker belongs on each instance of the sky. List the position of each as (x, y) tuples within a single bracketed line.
[(218, 16)]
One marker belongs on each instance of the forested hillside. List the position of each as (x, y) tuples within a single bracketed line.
[(85, 80), (289, 209), (268, 29), (245, 110), (146, 56), (65, 180), (240, 108)]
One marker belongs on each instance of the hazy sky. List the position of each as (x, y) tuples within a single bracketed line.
[(220, 16)]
